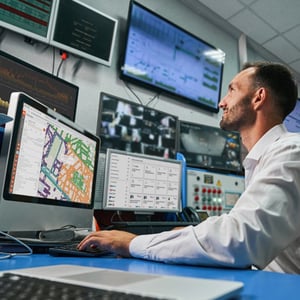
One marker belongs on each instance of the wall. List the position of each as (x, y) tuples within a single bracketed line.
[(93, 78)]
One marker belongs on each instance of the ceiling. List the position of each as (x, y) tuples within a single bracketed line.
[(272, 27)]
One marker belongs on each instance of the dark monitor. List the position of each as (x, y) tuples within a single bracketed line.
[(84, 31), (141, 183), (210, 147), (132, 127), (30, 18), (19, 76), (162, 56), (49, 169), (292, 121)]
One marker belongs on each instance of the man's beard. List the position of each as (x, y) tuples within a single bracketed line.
[(238, 116)]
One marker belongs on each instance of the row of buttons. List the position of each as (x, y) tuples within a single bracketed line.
[(209, 200)]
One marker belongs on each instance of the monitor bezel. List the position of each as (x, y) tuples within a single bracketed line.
[(100, 110), (177, 96), (80, 53), (140, 210), (13, 129)]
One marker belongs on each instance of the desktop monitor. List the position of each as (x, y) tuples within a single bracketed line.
[(292, 121), (210, 147), (50, 166), (141, 183), (163, 57), (132, 127)]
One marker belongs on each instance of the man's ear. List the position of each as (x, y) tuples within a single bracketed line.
[(259, 98)]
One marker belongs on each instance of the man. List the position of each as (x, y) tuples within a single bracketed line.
[(263, 229)]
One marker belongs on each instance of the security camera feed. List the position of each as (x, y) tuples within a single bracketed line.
[(132, 127), (210, 147)]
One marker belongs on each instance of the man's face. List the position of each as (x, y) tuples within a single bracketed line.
[(237, 104)]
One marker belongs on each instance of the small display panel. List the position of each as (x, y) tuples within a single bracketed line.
[(210, 147), (292, 121), (132, 127), (162, 56), (139, 182), (84, 31)]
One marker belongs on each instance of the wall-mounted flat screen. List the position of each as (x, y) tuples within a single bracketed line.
[(18, 76), (84, 31), (132, 127), (31, 18), (210, 147), (292, 121), (160, 55)]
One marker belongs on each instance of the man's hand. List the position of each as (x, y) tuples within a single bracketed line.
[(112, 240)]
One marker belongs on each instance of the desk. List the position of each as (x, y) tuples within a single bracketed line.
[(258, 284)]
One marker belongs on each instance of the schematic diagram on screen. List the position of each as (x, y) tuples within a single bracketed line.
[(67, 167)]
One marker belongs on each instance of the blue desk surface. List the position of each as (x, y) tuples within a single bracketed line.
[(258, 284)]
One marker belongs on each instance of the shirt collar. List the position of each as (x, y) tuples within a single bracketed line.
[(268, 138)]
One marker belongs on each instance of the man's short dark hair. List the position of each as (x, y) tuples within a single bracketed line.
[(280, 82)]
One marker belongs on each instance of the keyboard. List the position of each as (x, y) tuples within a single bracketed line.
[(71, 250), (14, 286)]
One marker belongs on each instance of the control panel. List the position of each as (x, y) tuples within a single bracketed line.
[(212, 192)]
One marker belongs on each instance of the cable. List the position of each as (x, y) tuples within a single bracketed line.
[(138, 98), (153, 98), (64, 55), (132, 91), (53, 60), (6, 255)]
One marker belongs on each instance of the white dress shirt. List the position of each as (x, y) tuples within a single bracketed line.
[(262, 230)]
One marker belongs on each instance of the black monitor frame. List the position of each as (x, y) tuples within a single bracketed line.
[(210, 147), (17, 75)]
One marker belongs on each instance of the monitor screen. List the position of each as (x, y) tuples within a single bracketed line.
[(210, 147), (19, 76), (50, 169), (139, 182), (84, 31), (31, 18), (292, 121), (160, 55), (129, 126)]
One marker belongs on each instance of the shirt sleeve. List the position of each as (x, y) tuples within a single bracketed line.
[(264, 221)]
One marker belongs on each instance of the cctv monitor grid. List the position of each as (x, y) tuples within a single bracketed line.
[(132, 127)]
